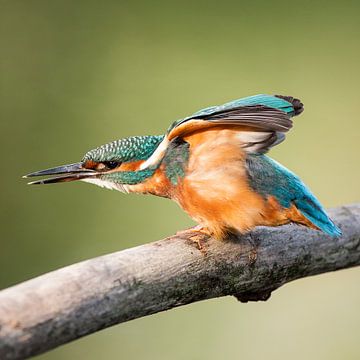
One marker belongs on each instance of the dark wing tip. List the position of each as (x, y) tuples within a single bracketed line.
[(257, 116), (296, 103)]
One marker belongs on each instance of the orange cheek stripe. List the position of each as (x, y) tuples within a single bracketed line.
[(130, 166), (89, 164)]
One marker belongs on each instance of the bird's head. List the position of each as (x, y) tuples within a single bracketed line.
[(115, 165)]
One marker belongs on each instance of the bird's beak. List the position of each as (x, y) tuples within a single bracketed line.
[(69, 172)]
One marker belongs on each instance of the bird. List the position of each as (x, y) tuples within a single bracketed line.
[(213, 164)]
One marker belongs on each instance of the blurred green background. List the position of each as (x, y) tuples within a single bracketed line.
[(77, 74)]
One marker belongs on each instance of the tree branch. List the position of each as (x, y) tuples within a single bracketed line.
[(77, 300)]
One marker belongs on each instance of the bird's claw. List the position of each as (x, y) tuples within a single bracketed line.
[(252, 256), (198, 239)]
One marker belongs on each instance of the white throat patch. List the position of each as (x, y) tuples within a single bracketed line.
[(108, 184)]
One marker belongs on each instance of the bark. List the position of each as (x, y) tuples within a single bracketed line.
[(63, 305)]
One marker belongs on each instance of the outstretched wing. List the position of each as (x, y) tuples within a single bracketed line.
[(246, 109), (263, 118), (262, 121)]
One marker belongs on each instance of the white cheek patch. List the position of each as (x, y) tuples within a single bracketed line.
[(107, 184), (157, 156)]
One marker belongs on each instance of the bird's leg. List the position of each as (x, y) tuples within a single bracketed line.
[(200, 229)]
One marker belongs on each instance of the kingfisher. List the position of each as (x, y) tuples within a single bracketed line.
[(213, 164)]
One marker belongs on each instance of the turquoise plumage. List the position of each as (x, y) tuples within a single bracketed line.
[(268, 177), (260, 99)]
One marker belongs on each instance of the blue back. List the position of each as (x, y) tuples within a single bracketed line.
[(268, 177)]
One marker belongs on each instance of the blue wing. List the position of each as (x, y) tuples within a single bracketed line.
[(268, 177), (263, 110), (283, 103), (264, 118)]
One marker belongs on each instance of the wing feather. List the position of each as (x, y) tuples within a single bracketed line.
[(262, 113), (257, 116)]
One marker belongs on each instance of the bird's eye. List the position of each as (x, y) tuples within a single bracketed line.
[(111, 164)]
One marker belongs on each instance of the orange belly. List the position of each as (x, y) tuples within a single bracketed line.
[(239, 214), (215, 191)]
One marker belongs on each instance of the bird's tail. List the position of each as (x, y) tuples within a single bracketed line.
[(311, 208), (270, 178)]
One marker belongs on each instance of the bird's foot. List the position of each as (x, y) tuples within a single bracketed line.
[(252, 256), (198, 238), (253, 252)]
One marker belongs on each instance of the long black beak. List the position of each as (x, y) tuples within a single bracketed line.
[(69, 172)]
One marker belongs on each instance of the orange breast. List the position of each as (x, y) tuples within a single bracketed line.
[(130, 166), (158, 184), (215, 191)]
